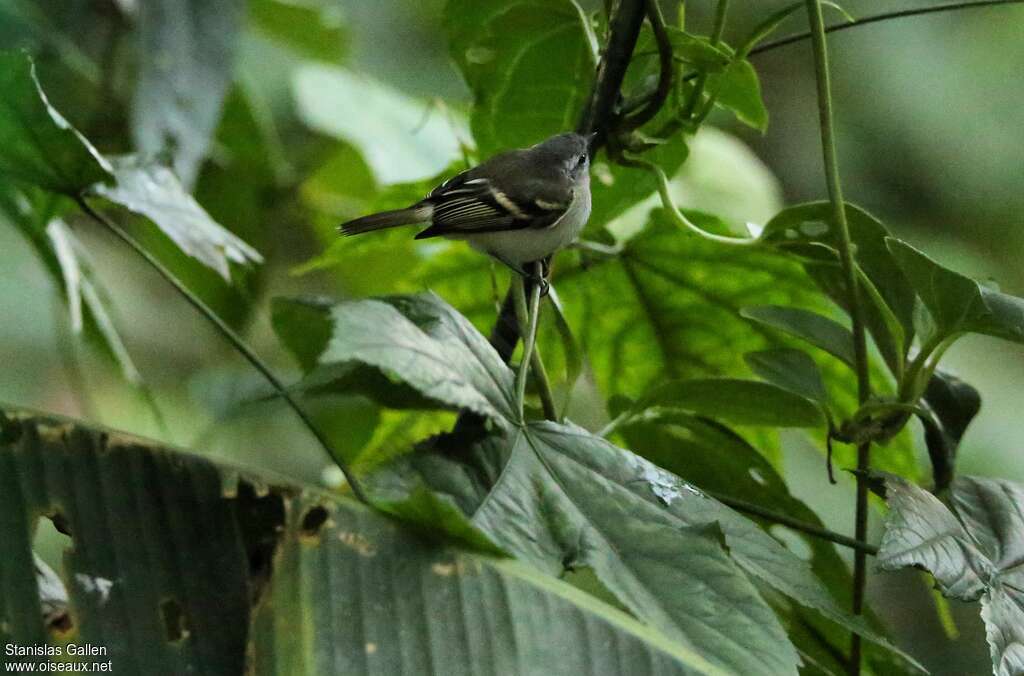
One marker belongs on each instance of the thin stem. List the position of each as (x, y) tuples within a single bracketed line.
[(802, 526), (886, 16), (721, 10), (673, 211), (828, 142), (543, 383), (232, 337), (527, 317)]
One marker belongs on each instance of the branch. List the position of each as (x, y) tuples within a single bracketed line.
[(875, 18), (816, 531), (860, 351), (232, 337), (666, 70)]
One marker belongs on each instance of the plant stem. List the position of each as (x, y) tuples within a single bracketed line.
[(886, 16), (796, 524), (828, 143), (666, 70), (721, 10), (673, 211), (527, 317), (232, 337)]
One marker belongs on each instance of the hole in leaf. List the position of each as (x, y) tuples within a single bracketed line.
[(175, 621), (313, 521), (261, 518), (52, 539)]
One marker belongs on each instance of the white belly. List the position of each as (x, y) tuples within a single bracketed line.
[(529, 244)]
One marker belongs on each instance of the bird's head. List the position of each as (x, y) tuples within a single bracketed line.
[(570, 151)]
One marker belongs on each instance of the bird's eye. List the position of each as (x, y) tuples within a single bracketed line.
[(581, 160)]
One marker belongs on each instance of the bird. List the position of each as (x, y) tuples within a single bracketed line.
[(520, 206)]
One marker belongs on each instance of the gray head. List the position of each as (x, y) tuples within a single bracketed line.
[(570, 150)]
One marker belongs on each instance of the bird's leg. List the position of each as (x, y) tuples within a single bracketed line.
[(535, 273)]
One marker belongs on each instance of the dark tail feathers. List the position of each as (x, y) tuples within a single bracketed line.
[(387, 219)]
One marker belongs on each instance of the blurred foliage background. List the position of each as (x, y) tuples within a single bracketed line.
[(333, 101)]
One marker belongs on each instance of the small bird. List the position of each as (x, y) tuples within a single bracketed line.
[(519, 206)]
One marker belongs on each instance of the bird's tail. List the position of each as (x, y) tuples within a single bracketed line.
[(388, 219)]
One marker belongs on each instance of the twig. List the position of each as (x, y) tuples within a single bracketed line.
[(887, 16), (831, 160), (528, 317), (232, 337), (721, 10), (666, 70), (796, 524)]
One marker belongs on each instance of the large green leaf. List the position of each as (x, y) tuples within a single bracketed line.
[(186, 56), (958, 304), (717, 460), (561, 497), (153, 191), (528, 64), (182, 566), (975, 549), (807, 228), (37, 145)]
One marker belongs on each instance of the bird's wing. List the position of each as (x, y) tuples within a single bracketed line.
[(467, 204)]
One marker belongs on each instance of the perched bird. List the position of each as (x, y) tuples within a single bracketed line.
[(519, 206)]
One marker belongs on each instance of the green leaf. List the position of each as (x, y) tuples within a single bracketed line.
[(973, 550), (952, 404), (419, 340), (304, 326), (314, 30), (401, 138), (792, 370), (819, 331), (37, 145), (697, 50), (219, 571), (716, 459), (736, 401), (808, 230), (738, 89), (528, 64), (567, 498), (186, 51), (774, 20), (153, 191), (958, 304)]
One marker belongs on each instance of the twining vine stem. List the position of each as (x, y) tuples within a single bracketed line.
[(828, 143), (232, 337), (528, 317)]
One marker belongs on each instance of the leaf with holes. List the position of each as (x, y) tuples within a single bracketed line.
[(218, 571)]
